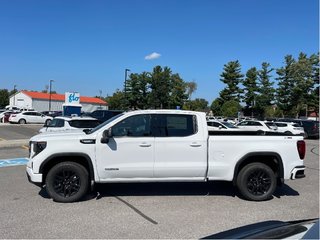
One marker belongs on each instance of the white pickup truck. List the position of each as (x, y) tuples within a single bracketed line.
[(162, 146)]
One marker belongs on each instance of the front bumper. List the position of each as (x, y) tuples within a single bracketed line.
[(298, 172), (35, 178)]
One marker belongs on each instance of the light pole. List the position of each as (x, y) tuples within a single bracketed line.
[(125, 84), (50, 86), (14, 95), (100, 91)]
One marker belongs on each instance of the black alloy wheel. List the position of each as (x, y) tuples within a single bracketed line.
[(256, 182), (67, 182)]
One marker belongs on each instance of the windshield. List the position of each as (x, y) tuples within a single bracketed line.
[(104, 123)]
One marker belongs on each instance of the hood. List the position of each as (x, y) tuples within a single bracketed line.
[(58, 135)]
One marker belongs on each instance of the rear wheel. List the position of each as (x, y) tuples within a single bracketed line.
[(288, 133), (22, 121), (67, 182), (256, 182)]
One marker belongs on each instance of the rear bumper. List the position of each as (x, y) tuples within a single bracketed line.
[(34, 178), (298, 172)]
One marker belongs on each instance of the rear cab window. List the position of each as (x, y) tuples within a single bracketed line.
[(174, 125)]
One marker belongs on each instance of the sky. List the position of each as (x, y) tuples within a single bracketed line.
[(85, 46)]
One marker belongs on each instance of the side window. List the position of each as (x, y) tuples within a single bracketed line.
[(243, 124), (174, 125), (255, 124), (56, 123), (97, 114), (135, 126)]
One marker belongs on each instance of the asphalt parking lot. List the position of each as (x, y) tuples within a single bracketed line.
[(162, 210)]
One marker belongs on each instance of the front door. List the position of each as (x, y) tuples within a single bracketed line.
[(129, 154)]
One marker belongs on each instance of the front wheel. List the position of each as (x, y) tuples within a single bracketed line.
[(256, 182), (67, 182)]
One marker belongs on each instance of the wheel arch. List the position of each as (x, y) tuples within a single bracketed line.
[(271, 159), (80, 158)]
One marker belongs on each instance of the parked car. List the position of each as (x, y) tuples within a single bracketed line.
[(104, 115), (4, 116), (52, 113), (70, 123), (289, 128), (297, 229), (217, 125), (251, 125), (29, 117), (311, 128)]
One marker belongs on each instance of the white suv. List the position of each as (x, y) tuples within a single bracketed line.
[(70, 123), (251, 125), (290, 128), (29, 117)]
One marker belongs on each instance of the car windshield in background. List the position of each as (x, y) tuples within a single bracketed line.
[(271, 124), (84, 123), (105, 123), (229, 125)]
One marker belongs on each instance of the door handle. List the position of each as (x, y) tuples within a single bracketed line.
[(145, 145), (195, 145)]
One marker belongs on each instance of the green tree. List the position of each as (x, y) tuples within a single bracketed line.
[(198, 104), (265, 88), (177, 96), (137, 90), (160, 87), (313, 101), (216, 106), (232, 77), (4, 97), (230, 108), (304, 83), (285, 85), (250, 88), (116, 101)]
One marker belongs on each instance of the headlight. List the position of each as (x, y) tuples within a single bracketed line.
[(38, 147)]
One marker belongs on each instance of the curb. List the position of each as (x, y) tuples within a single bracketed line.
[(13, 143)]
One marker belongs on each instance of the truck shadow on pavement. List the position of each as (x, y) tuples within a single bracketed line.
[(171, 189), (220, 188)]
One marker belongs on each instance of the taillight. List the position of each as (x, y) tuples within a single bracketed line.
[(301, 146)]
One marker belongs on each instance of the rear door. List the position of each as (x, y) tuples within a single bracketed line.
[(180, 152)]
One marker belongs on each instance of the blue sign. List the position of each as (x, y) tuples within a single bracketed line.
[(72, 98)]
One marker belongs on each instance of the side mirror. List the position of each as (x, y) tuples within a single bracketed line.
[(107, 134)]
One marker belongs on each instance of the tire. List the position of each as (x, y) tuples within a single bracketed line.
[(256, 182), (22, 121), (67, 182), (288, 133), (47, 122)]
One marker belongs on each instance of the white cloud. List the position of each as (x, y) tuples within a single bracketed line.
[(152, 56)]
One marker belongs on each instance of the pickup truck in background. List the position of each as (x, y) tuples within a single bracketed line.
[(162, 146)]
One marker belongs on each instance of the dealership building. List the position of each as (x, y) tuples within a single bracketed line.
[(40, 101)]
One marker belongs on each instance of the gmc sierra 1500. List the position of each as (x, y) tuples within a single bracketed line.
[(162, 145)]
